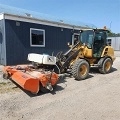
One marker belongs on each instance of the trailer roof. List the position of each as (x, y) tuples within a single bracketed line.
[(27, 13)]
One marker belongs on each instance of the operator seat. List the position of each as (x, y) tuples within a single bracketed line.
[(98, 46)]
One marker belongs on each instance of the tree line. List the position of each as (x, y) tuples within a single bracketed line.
[(111, 34)]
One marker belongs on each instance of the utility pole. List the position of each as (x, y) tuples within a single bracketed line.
[(110, 25)]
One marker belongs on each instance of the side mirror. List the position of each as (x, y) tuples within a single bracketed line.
[(109, 41), (81, 31)]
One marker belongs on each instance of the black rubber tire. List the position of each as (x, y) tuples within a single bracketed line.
[(106, 66), (43, 89), (76, 72), (6, 76)]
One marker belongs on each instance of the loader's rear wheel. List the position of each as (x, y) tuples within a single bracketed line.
[(80, 69), (106, 66)]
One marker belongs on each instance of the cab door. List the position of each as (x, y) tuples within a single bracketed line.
[(99, 43), (75, 38)]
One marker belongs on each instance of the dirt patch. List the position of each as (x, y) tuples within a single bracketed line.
[(6, 87)]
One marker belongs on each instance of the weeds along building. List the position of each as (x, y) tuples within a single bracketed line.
[(23, 32)]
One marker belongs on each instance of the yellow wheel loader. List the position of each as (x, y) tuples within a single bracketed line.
[(92, 49)]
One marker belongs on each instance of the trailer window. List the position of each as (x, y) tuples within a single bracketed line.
[(37, 37)]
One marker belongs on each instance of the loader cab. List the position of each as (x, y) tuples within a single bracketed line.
[(94, 39), (87, 37), (99, 43)]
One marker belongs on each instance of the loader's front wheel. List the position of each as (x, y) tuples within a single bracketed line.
[(106, 66), (80, 69)]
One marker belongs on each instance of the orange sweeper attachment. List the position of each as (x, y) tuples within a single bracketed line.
[(37, 76)]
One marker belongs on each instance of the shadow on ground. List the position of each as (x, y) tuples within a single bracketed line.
[(55, 89), (94, 70), (62, 79)]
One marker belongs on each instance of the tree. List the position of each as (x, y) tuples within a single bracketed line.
[(111, 34)]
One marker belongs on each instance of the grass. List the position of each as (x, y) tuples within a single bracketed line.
[(4, 83)]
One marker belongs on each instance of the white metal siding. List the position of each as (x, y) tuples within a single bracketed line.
[(115, 43)]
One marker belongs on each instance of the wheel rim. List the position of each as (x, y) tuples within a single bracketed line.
[(107, 66), (83, 70)]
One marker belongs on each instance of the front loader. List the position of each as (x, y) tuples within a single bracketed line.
[(92, 49)]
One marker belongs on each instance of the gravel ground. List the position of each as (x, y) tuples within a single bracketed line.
[(96, 98)]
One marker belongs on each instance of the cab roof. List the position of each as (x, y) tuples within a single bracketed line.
[(97, 29)]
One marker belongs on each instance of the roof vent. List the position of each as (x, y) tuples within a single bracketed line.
[(28, 15), (61, 21)]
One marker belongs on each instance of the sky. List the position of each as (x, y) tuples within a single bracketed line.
[(98, 12)]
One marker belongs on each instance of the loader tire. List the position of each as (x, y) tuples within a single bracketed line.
[(80, 69), (106, 66)]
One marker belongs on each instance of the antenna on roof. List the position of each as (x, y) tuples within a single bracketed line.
[(28, 15), (61, 21), (110, 24)]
